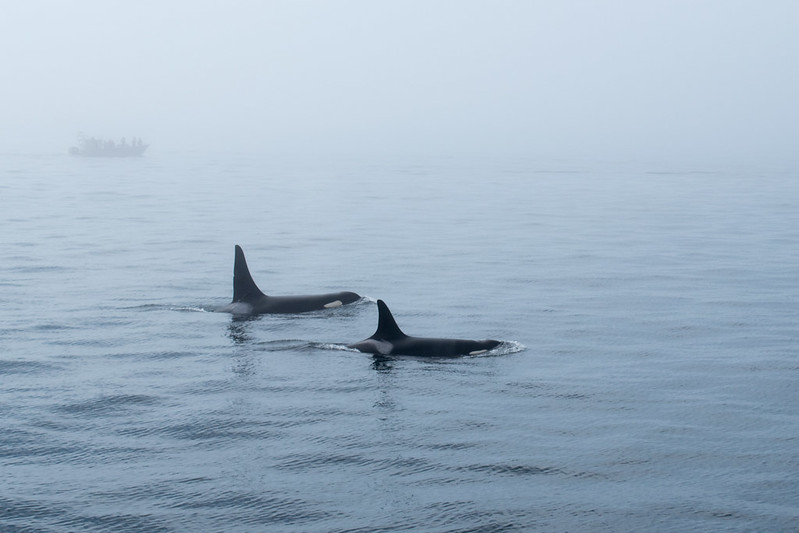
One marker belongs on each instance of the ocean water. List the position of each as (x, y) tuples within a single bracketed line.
[(648, 378)]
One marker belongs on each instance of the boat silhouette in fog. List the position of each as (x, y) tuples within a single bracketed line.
[(94, 147)]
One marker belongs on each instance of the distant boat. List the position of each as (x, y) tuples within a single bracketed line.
[(94, 147)]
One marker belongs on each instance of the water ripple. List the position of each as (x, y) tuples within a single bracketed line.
[(115, 522), (24, 367), (114, 404)]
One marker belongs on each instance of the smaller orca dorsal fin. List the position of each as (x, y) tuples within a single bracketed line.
[(387, 328), (244, 288)]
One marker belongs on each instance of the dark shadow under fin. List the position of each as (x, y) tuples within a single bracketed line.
[(387, 328), (244, 288)]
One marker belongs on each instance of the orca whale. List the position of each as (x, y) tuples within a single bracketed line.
[(390, 340), (249, 300)]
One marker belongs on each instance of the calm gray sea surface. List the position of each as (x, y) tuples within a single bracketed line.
[(648, 378)]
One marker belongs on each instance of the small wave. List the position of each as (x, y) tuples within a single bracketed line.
[(17, 508), (114, 522), (191, 309), (262, 509), (39, 269), (507, 348), (147, 307), (331, 346), (52, 327), (172, 307), (398, 466), (112, 404), (23, 367), (510, 470), (279, 345)]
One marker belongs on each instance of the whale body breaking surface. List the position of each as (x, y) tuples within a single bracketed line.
[(249, 300), (389, 339)]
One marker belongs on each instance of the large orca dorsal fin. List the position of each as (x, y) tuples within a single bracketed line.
[(244, 288), (387, 328)]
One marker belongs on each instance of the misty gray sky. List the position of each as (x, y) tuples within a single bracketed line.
[(655, 79)]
